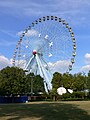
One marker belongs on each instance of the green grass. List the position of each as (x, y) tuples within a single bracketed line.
[(71, 110)]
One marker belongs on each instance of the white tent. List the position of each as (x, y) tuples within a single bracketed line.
[(61, 90)]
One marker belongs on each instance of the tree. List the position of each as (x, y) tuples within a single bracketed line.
[(12, 81), (67, 81), (29, 79), (79, 82), (56, 83), (38, 84), (34, 83)]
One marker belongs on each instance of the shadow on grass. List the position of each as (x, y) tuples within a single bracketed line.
[(42, 111)]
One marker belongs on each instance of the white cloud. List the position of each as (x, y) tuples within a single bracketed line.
[(85, 68), (29, 7), (4, 62), (26, 4), (87, 58), (20, 33), (87, 55), (29, 33), (67, 9), (20, 63), (59, 66)]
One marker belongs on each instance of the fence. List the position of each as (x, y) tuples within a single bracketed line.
[(21, 99)]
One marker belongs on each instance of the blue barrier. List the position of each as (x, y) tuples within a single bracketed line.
[(21, 99)]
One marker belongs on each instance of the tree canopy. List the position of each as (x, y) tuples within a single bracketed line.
[(14, 80)]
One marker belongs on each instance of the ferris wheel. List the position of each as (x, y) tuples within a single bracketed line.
[(48, 45)]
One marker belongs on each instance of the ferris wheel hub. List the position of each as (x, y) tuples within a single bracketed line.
[(34, 52)]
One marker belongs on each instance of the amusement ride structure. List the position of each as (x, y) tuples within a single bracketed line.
[(47, 44)]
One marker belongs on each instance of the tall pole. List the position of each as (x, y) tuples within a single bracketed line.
[(32, 85)]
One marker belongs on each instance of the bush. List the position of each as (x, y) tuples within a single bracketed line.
[(74, 96)]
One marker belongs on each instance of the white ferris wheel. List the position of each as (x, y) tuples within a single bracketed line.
[(47, 45)]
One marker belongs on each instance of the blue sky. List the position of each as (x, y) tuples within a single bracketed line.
[(16, 15)]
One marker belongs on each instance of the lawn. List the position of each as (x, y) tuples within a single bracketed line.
[(74, 110)]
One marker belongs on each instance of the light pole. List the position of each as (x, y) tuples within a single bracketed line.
[(31, 84), (85, 90), (84, 74)]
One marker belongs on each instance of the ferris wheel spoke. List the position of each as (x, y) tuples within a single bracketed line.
[(41, 73), (42, 47), (44, 73), (46, 66), (26, 67)]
